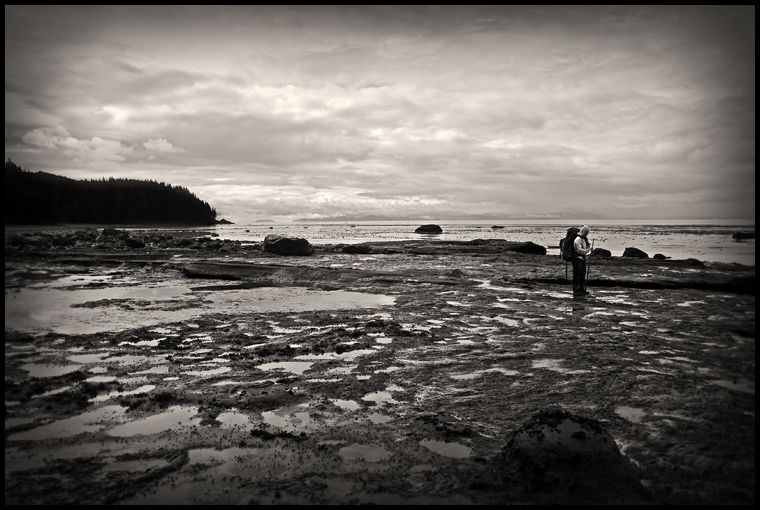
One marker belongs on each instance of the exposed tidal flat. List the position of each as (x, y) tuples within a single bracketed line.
[(196, 369)]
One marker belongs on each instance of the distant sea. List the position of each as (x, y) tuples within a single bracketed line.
[(706, 240)]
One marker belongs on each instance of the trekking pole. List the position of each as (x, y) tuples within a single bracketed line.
[(588, 266)]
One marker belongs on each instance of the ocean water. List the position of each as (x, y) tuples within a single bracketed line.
[(708, 241)]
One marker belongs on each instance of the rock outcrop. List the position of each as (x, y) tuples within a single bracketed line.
[(529, 247), (601, 252), (573, 457), (635, 253), (429, 229), (283, 245)]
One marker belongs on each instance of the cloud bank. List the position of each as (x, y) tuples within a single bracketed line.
[(292, 112)]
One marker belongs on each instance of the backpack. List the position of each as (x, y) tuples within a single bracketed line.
[(566, 245)]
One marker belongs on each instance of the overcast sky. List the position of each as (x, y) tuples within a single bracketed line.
[(295, 112)]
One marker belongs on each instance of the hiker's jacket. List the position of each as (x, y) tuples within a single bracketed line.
[(582, 247)]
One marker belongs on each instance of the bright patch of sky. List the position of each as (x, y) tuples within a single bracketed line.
[(290, 112)]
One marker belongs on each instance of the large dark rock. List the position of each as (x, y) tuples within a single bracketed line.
[(429, 229), (134, 242), (635, 253), (282, 245), (601, 252), (529, 247), (573, 457), (738, 236)]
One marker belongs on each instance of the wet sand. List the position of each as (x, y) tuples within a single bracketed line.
[(194, 374)]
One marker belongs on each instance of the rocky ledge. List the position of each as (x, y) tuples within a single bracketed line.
[(418, 372)]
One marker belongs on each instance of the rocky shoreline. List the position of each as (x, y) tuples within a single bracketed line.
[(393, 372)]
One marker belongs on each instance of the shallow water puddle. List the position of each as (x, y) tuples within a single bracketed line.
[(161, 369), (553, 364), (383, 397), (175, 417), (506, 320), (370, 453), (49, 370), (378, 418), (632, 414), (135, 465), (142, 389), (346, 356), (234, 419), (453, 450), (208, 373), (89, 358), (745, 386), (92, 421), (350, 405), (294, 367), (479, 373), (290, 419), (81, 311)]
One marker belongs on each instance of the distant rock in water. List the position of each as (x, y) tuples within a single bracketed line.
[(739, 236), (635, 253), (660, 256), (601, 252), (282, 245), (429, 229), (497, 226)]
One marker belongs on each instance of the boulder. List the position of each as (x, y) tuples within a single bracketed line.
[(601, 252), (573, 457), (134, 242), (738, 236), (636, 253), (282, 245), (529, 247), (428, 229), (660, 256)]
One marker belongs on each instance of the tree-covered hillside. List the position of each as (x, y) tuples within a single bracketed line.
[(40, 198)]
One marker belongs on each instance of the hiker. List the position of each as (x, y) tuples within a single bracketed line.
[(582, 249)]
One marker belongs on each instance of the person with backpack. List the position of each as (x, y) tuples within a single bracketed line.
[(582, 250)]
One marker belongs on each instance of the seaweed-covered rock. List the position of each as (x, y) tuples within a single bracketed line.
[(282, 245), (738, 236), (428, 229), (573, 457), (134, 242), (601, 252), (635, 253), (529, 247)]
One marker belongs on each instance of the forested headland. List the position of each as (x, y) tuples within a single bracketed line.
[(40, 198)]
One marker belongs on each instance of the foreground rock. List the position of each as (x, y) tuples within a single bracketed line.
[(570, 458), (283, 245)]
